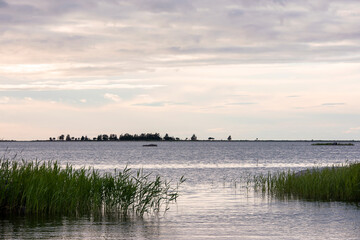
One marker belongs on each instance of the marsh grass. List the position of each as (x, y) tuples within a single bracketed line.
[(337, 183), (46, 188)]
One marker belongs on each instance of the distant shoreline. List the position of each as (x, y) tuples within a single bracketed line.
[(310, 141)]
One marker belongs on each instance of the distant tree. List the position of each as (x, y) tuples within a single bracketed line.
[(105, 137), (61, 137), (99, 137), (113, 137), (193, 137), (168, 138), (126, 137), (68, 138), (211, 138), (153, 137), (156, 136), (142, 137), (136, 137), (229, 138), (82, 138)]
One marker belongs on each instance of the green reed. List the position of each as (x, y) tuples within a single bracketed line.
[(336, 183), (47, 188)]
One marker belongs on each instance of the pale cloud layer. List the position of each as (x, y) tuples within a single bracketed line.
[(112, 97), (70, 85), (275, 69)]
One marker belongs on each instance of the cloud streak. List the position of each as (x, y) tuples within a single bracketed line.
[(88, 85), (353, 130), (333, 104)]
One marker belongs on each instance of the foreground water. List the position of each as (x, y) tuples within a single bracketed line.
[(214, 201)]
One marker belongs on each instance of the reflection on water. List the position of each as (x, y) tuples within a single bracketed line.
[(108, 227), (215, 202)]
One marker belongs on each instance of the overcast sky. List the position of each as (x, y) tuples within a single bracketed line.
[(267, 69)]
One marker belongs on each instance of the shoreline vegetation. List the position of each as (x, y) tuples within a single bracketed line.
[(124, 137), (45, 188), (336, 183), (156, 137)]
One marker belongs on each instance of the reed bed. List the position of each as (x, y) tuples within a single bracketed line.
[(47, 188), (336, 183)]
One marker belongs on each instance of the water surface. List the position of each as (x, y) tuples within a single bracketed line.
[(214, 201)]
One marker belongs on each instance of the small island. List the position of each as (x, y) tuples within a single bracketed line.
[(332, 144), (150, 145)]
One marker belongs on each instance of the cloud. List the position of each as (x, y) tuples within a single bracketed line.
[(4, 100), (241, 103), (166, 6), (353, 130), (151, 104), (149, 34), (219, 61), (333, 104), (112, 97), (69, 85), (3, 4)]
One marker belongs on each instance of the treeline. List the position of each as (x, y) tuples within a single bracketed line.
[(122, 137)]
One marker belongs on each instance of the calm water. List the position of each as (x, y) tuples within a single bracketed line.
[(214, 204)]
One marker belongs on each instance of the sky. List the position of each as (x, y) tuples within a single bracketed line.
[(266, 69)]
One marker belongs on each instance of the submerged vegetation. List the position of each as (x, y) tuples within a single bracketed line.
[(47, 188), (337, 183)]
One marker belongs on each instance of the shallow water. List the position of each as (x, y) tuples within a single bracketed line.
[(214, 201)]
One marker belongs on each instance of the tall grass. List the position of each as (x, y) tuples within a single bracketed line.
[(47, 188), (337, 183)]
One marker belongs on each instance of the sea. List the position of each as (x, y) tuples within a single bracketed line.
[(216, 200)]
